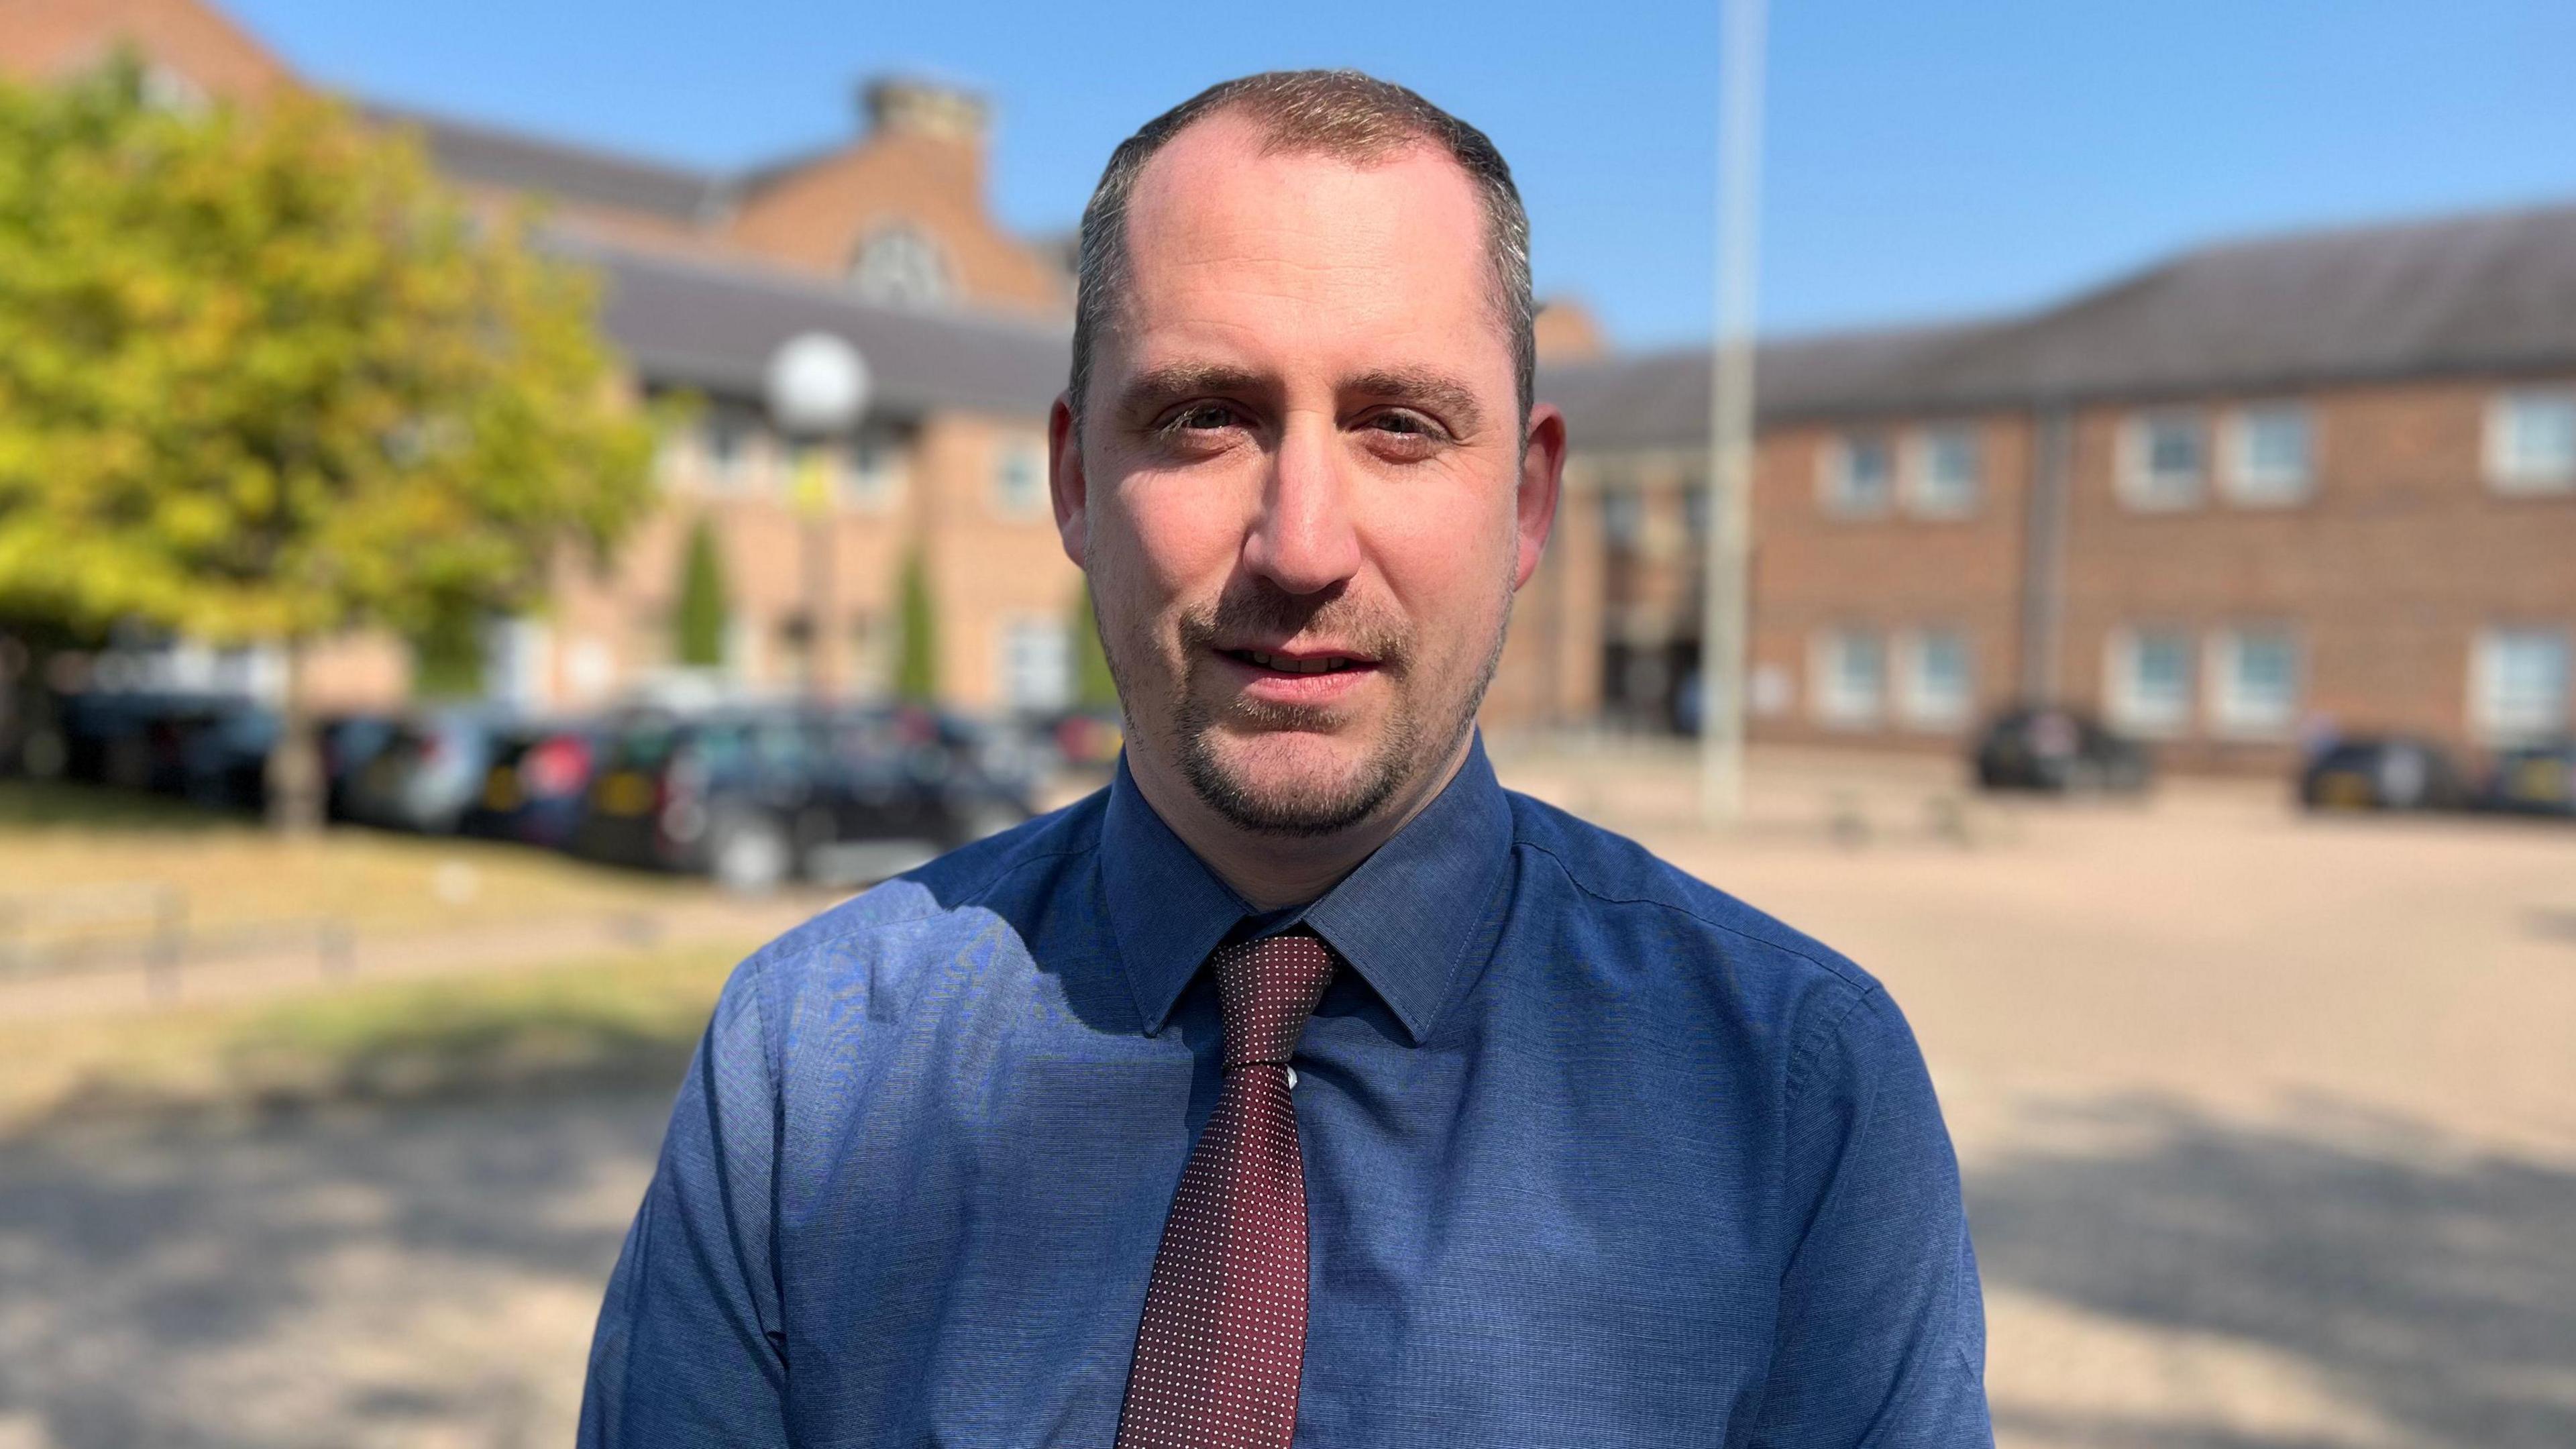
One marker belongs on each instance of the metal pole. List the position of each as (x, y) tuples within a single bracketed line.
[(1726, 578)]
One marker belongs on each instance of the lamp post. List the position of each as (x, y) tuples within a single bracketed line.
[(817, 387), (1725, 580)]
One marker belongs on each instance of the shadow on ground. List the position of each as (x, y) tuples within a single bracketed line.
[(343, 1276), (2435, 1288)]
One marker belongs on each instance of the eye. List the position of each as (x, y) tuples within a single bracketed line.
[(1203, 417), (1401, 423)]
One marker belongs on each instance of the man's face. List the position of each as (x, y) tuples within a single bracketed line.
[(1300, 488)]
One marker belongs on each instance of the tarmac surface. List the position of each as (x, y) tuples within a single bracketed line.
[(2269, 1126)]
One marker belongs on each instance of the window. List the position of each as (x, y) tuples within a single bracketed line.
[(1938, 691), (2269, 462), (1695, 506), (2167, 458), (1851, 678), (2518, 684), (727, 448), (2150, 681), (1037, 664), (1860, 475), (2531, 442), (1947, 471), (1019, 479), (2254, 682), (873, 474), (1623, 517), (900, 266)]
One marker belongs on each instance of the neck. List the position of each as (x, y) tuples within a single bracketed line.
[(1272, 870)]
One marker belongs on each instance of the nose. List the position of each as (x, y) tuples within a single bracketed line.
[(1303, 540)]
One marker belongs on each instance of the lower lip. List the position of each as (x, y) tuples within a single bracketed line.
[(1277, 687)]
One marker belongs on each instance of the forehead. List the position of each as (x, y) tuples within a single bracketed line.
[(1229, 247)]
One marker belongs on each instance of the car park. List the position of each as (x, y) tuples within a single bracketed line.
[(427, 773), (2059, 750), (536, 784), (756, 796), (2374, 772), (2534, 779)]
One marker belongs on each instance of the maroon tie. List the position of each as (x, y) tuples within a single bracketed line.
[(1225, 1315)]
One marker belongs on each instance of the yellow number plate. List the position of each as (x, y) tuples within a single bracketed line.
[(624, 793)]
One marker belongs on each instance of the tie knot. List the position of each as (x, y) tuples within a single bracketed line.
[(1267, 989)]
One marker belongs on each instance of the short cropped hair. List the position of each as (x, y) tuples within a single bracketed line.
[(1338, 113)]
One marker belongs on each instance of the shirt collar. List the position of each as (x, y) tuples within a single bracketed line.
[(1403, 919)]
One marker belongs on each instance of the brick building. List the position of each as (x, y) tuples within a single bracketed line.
[(882, 239), (2264, 492)]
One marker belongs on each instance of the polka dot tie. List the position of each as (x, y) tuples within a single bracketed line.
[(1224, 1333)]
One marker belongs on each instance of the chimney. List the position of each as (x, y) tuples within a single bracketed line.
[(910, 106)]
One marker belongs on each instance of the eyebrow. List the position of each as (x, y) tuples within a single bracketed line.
[(1151, 391), (1434, 391)]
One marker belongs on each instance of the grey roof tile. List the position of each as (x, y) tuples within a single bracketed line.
[(712, 326)]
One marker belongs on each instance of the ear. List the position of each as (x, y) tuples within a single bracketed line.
[(1542, 475), (1066, 485)]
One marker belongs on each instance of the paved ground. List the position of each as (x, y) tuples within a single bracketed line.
[(2270, 1129)]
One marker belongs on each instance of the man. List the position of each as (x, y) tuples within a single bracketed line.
[(1304, 1083)]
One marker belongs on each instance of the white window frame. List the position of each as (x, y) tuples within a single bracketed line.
[(875, 469), (1834, 480), (1834, 708), (2231, 713), (2485, 667), (1915, 482), (1007, 658), (1915, 703), (2246, 484), (1019, 449), (2139, 487), (2121, 703), (2509, 474)]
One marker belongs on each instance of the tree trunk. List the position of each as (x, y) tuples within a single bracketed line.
[(295, 762)]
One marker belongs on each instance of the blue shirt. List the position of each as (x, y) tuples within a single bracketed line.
[(1595, 1155)]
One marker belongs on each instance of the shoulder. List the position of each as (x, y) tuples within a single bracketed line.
[(861, 942), (1621, 889)]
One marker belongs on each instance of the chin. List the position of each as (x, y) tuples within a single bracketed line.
[(1292, 782)]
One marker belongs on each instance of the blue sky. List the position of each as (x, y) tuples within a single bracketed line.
[(1924, 160)]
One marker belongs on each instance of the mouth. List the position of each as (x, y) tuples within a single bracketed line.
[(1314, 662)]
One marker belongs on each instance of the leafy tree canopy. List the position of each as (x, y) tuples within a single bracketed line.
[(261, 378)]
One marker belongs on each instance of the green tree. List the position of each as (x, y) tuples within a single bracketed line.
[(1093, 686), (700, 619), (916, 665), (262, 379)]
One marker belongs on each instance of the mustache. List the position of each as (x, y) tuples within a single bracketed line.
[(1270, 613)]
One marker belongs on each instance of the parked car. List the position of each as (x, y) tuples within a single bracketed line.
[(2382, 773), (756, 796), (210, 748), (536, 785), (427, 773), (2538, 779), (222, 754), (2058, 749), (349, 741)]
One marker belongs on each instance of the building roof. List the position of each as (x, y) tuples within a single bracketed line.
[(713, 326), (468, 152), (1661, 399), (2483, 294)]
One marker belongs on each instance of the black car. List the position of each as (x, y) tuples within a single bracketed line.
[(2538, 779), (755, 796), (2393, 772), (2059, 750), (537, 786)]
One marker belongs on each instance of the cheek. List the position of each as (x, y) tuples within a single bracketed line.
[(1177, 543), (1446, 559)]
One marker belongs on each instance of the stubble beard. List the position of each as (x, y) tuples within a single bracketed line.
[(1409, 746)]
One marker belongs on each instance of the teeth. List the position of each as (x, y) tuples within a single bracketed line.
[(1297, 666)]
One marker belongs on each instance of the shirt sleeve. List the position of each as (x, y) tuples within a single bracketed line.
[(689, 1349), (1881, 1335)]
